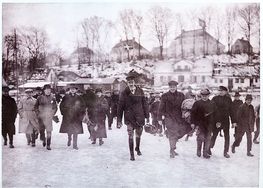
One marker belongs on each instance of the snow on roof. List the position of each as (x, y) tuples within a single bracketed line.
[(94, 81), (33, 84)]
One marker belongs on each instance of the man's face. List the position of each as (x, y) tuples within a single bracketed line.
[(99, 94), (47, 91), (131, 84), (172, 88), (29, 94), (204, 97), (222, 92), (73, 90), (248, 101)]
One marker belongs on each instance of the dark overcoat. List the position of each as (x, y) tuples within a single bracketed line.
[(234, 108), (72, 108), (9, 112), (203, 115), (98, 117), (114, 104), (245, 118), (170, 108), (134, 106)]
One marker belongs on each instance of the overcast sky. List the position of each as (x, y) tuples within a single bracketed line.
[(60, 20)]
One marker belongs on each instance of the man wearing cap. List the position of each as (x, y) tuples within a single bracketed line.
[(134, 106), (72, 108), (28, 121), (189, 93), (9, 112), (223, 112), (235, 106), (203, 118), (46, 108), (114, 104), (245, 124), (170, 110)]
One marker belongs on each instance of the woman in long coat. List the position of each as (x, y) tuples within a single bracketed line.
[(98, 117), (72, 108), (28, 121), (9, 112)]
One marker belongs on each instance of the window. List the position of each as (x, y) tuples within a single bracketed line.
[(242, 80), (186, 67), (203, 78), (256, 80), (215, 80), (237, 80), (161, 78), (221, 80), (181, 78), (179, 67), (194, 79)]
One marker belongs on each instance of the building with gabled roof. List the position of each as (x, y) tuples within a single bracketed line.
[(241, 46), (194, 43)]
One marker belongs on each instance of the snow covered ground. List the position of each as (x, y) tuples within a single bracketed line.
[(109, 165)]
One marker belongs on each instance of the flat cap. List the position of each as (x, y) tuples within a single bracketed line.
[(205, 92), (222, 88), (237, 94), (249, 97), (29, 91)]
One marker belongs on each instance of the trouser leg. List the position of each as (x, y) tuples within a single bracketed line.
[(69, 139), (48, 140), (257, 131), (227, 140), (28, 138), (5, 138), (213, 139), (10, 135), (75, 140), (131, 142), (249, 141)]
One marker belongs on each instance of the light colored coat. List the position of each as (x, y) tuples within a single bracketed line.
[(28, 118)]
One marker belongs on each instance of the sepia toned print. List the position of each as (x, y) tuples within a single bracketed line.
[(130, 94)]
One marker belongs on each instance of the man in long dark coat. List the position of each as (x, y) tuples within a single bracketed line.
[(9, 112), (245, 124), (133, 104), (234, 108), (72, 108), (223, 112), (170, 110), (203, 117)]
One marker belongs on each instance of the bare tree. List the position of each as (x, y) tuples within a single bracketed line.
[(247, 20), (257, 23), (180, 23), (35, 41), (193, 16), (231, 17), (218, 29), (160, 20), (138, 22)]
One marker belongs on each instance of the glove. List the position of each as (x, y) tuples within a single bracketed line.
[(234, 125), (218, 125), (119, 125)]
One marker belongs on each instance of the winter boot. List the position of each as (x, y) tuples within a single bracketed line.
[(75, 141), (226, 155), (33, 139), (131, 149), (69, 140), (93, 141), (172, 153), (5, 140), (249, 154), (101, 141), (28, 138), (233, 148), (48, 143), (199, 147), (11, 141), (137, 148)]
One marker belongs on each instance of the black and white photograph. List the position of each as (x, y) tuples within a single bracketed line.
[(132, 94)]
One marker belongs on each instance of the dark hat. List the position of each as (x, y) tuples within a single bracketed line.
[(29, 91), (189, 87), (248, 97), (73, 86), (5, 88), (131, 75), (237, 94), (222, 88), (172, 83), (38, 89), (47, 86), (205, 92), (98, 90)]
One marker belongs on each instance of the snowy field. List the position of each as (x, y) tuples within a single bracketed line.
[(109, 165)]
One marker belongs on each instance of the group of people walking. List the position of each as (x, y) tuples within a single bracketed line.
[(174, 112)]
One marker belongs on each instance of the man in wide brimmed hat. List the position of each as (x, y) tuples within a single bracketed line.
[(46, 106), (9, 112), (203, 118), (245, 124), (170, 111), (133, 104), (235, 106), (224, 104)]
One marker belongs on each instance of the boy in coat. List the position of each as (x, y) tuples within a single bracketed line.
[(9, 112), (245, 124)]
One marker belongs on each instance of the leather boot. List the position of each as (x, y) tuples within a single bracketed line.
[(69, 140), (199, 147), (48, 143), (137, 148), (131, 149), (33, 139)]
